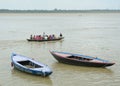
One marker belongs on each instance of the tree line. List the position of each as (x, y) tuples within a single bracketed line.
[(57, 11)]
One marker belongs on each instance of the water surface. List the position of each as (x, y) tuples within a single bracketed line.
[(94, 34)]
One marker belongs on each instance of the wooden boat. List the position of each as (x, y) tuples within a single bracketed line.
[(29, 65), (56, 39), (80, 60)]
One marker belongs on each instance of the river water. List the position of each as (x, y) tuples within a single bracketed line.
[(93, 34)]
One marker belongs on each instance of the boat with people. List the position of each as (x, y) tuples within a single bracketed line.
[(29, 65), (40, 38), (43, 40), (80, 60)]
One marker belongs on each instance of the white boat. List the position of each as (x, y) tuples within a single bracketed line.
[(29, 65)]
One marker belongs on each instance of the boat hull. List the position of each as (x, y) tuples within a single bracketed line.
[(33, 40), (79, 62)]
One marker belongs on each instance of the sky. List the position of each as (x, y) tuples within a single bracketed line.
[(59, 4)]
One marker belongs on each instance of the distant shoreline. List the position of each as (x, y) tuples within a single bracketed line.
[(58, 11)]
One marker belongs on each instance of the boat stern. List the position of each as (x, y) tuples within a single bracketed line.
[(46, 71)]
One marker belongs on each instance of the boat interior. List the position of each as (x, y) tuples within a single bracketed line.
[(79, 58), (29, 64)]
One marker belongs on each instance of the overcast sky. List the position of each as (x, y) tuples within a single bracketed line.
[(59, 4)]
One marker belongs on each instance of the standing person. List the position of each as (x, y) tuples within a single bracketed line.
[(44, 35), (31, 37), (60, 35), (34, 37)]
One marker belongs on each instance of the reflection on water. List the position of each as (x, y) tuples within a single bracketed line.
[(44, 81), (81, 69), (88, 76)]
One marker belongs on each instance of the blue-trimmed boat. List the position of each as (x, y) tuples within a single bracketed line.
[(80, 60), (29, 65)]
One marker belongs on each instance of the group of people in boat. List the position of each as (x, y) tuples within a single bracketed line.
[(45, 37)]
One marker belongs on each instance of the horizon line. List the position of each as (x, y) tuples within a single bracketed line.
[(60, 11), (55, 9)]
